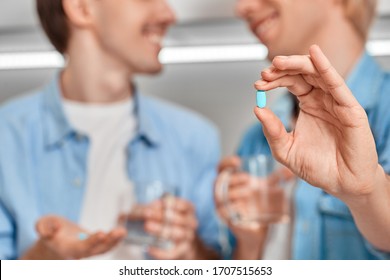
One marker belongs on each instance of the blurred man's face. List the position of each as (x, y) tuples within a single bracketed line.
[(286, 27), (131, 31)]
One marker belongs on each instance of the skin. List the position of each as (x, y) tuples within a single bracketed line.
[(109, 44), (279, 26), (59, 240), (286, 33), (334, 125), (178, 224)]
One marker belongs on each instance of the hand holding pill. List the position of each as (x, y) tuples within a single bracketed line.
[(332, 146)]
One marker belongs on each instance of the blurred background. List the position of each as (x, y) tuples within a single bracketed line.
[(211, 60)]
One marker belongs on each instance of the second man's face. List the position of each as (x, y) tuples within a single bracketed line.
[(286, 27), (131, 31)]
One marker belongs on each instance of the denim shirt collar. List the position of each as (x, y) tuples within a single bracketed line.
[(365, 80), (147, 126), (57, 127)]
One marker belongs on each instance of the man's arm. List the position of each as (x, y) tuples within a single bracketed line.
[(7, 233)]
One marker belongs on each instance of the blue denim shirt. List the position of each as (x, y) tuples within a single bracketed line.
[(43, 163), (324, 227)]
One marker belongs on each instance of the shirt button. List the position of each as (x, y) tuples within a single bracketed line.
[(77, 182)]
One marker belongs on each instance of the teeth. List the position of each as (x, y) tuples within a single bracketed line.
[(155, 38)]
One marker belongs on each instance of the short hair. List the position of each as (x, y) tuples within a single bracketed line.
[(361, 13), (54, 22)]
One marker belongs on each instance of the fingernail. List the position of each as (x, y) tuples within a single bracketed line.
[(260, 83), (282, 57), (267, 71)]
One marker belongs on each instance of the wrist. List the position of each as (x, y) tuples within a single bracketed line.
[(376, 191), (250, 246), (39, 251), (199, 251)]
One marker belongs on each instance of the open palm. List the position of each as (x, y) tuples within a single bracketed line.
[(61, 239), (332, 146)]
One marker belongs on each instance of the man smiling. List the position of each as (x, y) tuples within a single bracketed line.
[(68, 150)]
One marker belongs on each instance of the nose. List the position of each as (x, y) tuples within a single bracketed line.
[(245, 7), (167, 15)]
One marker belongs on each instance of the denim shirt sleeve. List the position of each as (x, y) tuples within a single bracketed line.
[(382, 138), (7, 231), (382, 255), (7, 240)]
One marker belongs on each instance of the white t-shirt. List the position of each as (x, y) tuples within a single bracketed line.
[(109, 128)]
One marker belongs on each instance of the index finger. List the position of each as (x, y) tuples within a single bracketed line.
[(294, 64), (335, 83), (47, 227), (229, 162), (175, 204), (183, 206)]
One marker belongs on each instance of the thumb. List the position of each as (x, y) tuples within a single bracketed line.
[(47, 227), (278, 138)]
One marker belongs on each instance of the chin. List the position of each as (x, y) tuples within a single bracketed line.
[(275, 51), (271, 55), (159, 67), (155, 69), (147, 68)]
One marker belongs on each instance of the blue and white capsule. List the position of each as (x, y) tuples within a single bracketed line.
[(261, 99)]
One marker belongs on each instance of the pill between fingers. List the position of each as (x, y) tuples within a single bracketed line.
[(261, 99)]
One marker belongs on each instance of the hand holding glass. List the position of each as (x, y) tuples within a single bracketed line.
[(257, 193), (149, 197)]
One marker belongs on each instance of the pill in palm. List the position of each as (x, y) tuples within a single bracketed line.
[(83, 236)]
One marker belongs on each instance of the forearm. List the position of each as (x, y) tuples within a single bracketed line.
[(371, 212), (243, 252)]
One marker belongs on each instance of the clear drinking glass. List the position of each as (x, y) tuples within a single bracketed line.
[(143, 195), (265, 198)]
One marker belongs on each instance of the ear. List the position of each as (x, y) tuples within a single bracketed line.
[(78, 12)]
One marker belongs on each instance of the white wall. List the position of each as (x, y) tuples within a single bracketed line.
[(17, 13)]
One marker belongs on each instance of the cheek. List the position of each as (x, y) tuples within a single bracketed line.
[(119, 34), (301, 23)]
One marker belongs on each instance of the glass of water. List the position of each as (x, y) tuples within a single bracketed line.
[(265, 198), (144, 194)]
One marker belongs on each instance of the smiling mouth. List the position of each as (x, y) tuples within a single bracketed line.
[(155, 35), (155, 39), (261, 27)]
